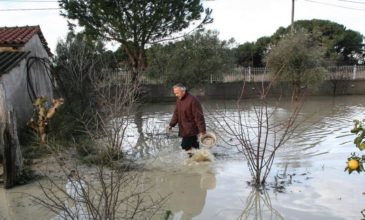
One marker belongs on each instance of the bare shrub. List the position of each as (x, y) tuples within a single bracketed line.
[(111, 187), (259, 129), (97, 192)]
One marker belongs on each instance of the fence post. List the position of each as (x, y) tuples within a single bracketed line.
[(354, 72), (249, 74), (263, 77), (211, 79)]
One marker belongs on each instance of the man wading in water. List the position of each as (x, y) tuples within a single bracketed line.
[(189, 115)]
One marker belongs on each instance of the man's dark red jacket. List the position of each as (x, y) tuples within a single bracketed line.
[(189, 116)]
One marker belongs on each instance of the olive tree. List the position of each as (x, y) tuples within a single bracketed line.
[(135, 24), (193, 60), (298, 59)]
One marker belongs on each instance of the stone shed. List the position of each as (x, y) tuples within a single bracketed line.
[(24, 76)]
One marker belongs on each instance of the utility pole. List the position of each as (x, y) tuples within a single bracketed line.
[(292, 17)]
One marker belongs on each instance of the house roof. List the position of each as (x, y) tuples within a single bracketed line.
[(18, 36), (10, 59)]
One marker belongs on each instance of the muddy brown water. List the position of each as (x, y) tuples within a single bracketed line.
[(315, 184)]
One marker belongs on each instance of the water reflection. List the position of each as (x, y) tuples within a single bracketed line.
[(188, 197), (258, 206), (147, 134), (187, 190), (141, 146), (75, 203)]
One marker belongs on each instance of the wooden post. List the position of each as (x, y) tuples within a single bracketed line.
[(3, 116), (249, 73), (9, 160), (9, 143)]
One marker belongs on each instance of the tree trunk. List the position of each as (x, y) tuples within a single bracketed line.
[(137, 60), (135, 75)]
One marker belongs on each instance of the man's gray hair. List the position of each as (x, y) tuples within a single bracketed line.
[(180, 85)]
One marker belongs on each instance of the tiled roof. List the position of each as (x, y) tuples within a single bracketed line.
[(10, 59), (18, 36)]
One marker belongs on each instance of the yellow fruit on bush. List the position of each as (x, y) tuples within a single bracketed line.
[(353, 164)]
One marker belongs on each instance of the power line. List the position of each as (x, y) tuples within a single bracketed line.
[(24, 1), (357, 2), (29, 9), (335, 5)]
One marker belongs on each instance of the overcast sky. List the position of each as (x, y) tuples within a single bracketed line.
[(244, 20)]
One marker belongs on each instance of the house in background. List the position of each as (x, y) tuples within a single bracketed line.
[(24, 76), (24, 69)]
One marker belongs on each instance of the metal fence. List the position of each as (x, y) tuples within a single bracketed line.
[(259, 74), (247, 74), (347, 72)]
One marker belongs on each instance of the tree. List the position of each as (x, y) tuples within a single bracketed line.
[(298, 59), (79, 64), (262, 47), (244, 54), (76, 61), (252, 54), (341, 45), (193, 60), (135, 24)]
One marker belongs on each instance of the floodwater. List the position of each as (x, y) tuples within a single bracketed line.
[(307, 180)]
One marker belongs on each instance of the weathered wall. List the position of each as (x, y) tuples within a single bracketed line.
[(39, 75), (15, 82), (15, 87), (233, 90), (34, 45)]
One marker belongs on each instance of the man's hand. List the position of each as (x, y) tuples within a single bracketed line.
[(201, 134)]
